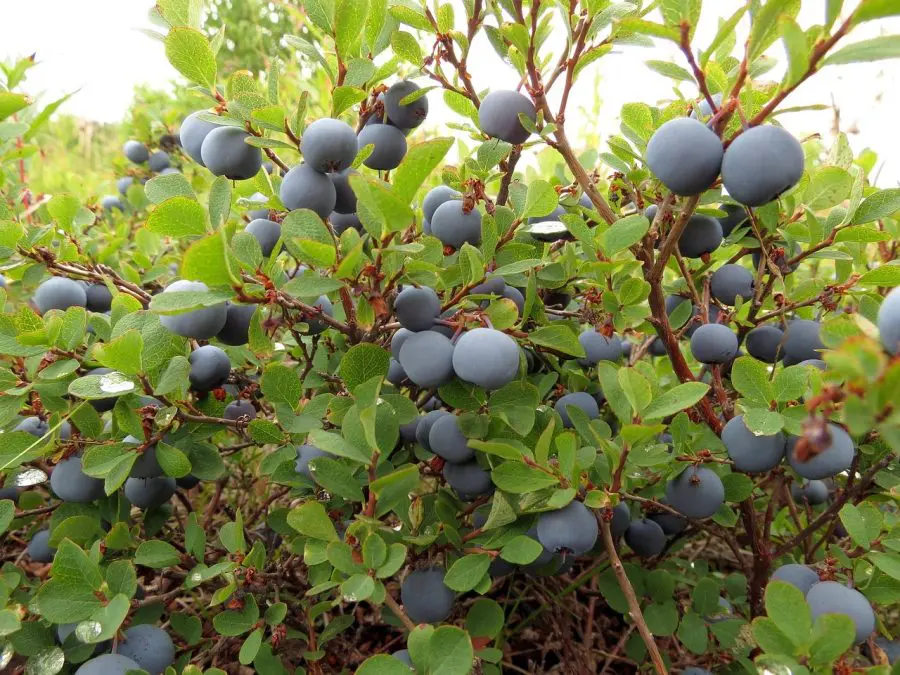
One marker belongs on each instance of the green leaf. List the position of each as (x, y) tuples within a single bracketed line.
[(162, 188), (361, 363), (624, 233), (878, 205), (787, 608), (190, 53), (636, 388), (232, 624), (383, 664), (853, 520), (763, 422), (122, 354), (875, 9), (281, 384), (157, 554), (336, 478), (175, 377), (751, 378), (670, 70), (7, 513), (828, 187), (357, 588), (770, 638), (109, 385), (12, 102), (406, 47), (518, 478), (522, 550), (796, 47), (311, 520), (419, 162), (467, 572), (344, 97), (874, 49), (764, 30), (449, 652), (833, 634), (559, 338), (348, 30), (179, 302), (540, 200), (211, 261), (485, 619), (889, 563), (251, 646), (679, 398)]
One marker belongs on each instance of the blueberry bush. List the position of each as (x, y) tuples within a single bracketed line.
[(316, 390)]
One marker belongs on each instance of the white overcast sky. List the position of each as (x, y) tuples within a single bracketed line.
[(94, 46)]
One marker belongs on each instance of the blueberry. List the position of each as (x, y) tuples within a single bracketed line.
[(702, 235), (110, 202), (159, 161), (72, 485), (267, 233), (201, 324), (34, 426), (417, 308), (702, 108), (694, 670), (397, 340), (889, 321), (192, 134), (801, 576), (236, 329), (685, 155), (423, 429), (598, 347), (99, 299), (146, 465), (454, 227), (149, 493), (425, 597), (427, 358), (714, 343), (124, 183), (403, 655), (830, 597), (408, 430), (136, 152), (210, 368), (39, 549), (469, 480), (345, 198), (446, 440), (737, 216), (697, 492), (669, 522), (761, 164), (59, 293), (305, 453), (749, 452), (578, 399), (316, 325), (514, 294), (188, 482), (765, 343), (802, 340), (437, 196), (168, 170), (340, 222), (498, 116), (730, 282), (305, 188), (486, 357), (390, 146), (621, 519), (409, 115), (396, 375), (836, 455), (813, 492), (237, 409), (107, 664), (225, 153), (11, 493), (891, 649), (329, 145), (148, 646), (492, 285), (645, 537), (572, 529)]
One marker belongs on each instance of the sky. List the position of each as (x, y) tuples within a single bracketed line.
[(97, 48)]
